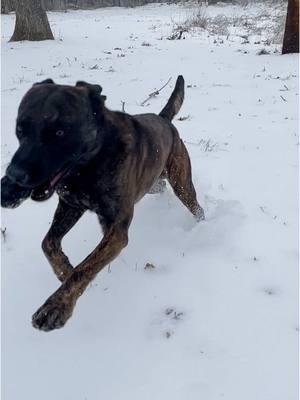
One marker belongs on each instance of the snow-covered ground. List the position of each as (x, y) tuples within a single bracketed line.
[(217, 317)]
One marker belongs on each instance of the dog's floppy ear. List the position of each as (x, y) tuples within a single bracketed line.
[(94, 92), (44, 82), (90, 86)]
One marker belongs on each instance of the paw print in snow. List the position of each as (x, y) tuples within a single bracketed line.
[(172, 317)]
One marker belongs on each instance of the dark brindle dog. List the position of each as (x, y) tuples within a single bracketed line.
[(95, 159)]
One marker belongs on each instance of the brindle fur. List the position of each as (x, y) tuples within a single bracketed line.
[(135, 152)]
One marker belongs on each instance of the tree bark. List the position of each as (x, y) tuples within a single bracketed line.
[(291, 33), (6, 6), (31, 22)]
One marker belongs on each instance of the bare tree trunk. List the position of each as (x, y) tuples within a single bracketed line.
[(31, 21), (291, 34), (6, 7)]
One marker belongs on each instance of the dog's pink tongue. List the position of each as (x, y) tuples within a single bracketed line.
[(56, 178)]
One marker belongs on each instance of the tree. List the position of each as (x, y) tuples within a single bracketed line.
[(6, 6), (31, 21), (291, 33)]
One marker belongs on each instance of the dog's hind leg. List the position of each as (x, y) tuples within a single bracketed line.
[(65, 218), (180, 178), (158, 187)]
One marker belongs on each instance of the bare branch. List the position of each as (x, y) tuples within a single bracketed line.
[(153, 94)]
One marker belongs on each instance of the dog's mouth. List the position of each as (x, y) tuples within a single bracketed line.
[(45, 191), (13, 194)]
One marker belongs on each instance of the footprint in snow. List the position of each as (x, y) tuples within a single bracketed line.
[(166, 322), (271, 291)]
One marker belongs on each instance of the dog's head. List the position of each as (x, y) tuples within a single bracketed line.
[(56, 126)]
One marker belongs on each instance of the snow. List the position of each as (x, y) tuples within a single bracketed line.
[(217, 316)]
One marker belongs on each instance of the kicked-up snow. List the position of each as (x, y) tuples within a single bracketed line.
[(214, 315)]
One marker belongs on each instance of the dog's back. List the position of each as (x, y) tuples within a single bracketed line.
[(161, 124), (155, 138)]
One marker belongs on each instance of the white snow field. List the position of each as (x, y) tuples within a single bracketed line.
[(217, 316)]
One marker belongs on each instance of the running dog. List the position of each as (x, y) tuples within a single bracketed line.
[(95, 159)]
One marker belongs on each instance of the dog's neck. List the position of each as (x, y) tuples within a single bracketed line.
[(103, 127), (108, 135)]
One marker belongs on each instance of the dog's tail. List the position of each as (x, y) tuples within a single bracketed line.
[(175, 101)]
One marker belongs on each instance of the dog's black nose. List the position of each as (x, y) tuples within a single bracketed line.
[(12, 195), (17, 175)]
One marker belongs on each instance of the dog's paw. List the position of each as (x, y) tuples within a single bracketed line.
[(52, 315), (200, 216), (158, 187)]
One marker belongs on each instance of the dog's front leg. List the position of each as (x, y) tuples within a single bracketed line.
[(59, 307), (65, 218)]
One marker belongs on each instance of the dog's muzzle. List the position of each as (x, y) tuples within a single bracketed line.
[(12, 195)]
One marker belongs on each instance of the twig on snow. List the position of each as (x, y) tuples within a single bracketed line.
[(3, 234), (283, 99), (153, 94)]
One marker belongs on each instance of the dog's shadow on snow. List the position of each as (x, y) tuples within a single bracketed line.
[(161, 227)]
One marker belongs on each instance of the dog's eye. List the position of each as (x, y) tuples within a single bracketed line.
[(60, 133)]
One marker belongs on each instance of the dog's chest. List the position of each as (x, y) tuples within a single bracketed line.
[(73, 194), (85, 190)]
